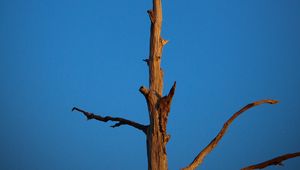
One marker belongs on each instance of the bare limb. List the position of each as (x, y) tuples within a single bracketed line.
[(199, 158), (144, 91), (151, 16), (172, 91), (275, 161), (164, 42), (120, 121)]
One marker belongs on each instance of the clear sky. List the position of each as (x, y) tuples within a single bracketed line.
[(56, 54)]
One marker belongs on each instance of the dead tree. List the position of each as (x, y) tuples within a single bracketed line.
[(159, 105), (275, 161)]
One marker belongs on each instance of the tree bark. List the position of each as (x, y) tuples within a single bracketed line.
[(200, 157), (158, 106)]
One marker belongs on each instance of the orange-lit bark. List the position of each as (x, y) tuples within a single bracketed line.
[(199, 158), (159, 106)]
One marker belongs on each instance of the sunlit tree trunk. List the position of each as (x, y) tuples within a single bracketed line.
[(158, 106)]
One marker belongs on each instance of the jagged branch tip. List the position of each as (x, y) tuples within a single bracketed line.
[(120, 121)]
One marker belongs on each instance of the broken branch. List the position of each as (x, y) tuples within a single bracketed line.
[(172, 91), (199, 158), (144, 91), (121, 121), (275, 161)]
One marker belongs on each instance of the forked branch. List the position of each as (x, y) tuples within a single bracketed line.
[(120, 121), (199, 158), (275, 161)]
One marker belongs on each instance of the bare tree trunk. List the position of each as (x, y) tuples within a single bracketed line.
[(158, 106)]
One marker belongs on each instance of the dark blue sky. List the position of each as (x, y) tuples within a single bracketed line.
[(223, 54)]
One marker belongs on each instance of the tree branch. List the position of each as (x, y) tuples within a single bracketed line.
[(275, 161), (199, 158), (144, 91), (172, 91), (120, 121)]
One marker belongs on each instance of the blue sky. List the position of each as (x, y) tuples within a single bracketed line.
[(223, 54)]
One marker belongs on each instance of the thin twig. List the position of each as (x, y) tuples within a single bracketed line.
[(121, 121), (199, 158), (275, 161)]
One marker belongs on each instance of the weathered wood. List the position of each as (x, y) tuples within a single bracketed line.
[(120, 121), (275, 161), (158, 106), (200, 157)]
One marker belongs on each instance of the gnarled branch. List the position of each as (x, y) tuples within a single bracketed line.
[(199, 158), (275, 161), (121, 121)]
